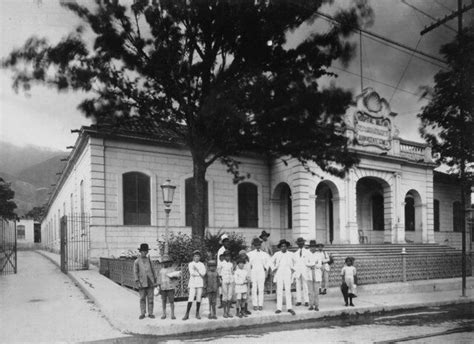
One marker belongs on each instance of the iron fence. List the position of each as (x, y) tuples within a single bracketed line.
[(8, 247), (370, 270), (75, 242)]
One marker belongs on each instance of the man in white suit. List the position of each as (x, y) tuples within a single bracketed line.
[(283, 263), (259, 261), (300, 275)]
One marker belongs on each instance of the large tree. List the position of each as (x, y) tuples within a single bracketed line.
[(448, 119), (7, 205), (219, 75)]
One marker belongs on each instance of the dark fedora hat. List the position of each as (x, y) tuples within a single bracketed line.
[(256, 241), (264, 234), (144, 247), (196, 252), (300, 240), (312, 243), (211, 263), (283, 241)]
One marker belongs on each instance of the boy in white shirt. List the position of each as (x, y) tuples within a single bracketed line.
[(197, 270)]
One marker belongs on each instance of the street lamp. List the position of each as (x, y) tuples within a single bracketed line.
[(168, 193)]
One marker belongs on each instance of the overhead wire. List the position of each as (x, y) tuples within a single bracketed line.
[(379, 82)]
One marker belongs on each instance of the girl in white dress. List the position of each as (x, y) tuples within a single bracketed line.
[(348, 274)]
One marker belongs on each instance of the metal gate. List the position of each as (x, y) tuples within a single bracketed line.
[(8, 257), (74, 246)]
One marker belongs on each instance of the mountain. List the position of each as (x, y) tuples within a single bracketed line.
[(14, 159), (44, 173), (31, 170)]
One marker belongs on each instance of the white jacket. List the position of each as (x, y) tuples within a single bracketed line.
[(259, 262), (301, 256)]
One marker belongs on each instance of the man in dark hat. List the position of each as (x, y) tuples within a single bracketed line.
[(283, 263), (301, 256), (145, 280), (259, 261)]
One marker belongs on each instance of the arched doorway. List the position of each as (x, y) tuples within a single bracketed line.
[(282, 208), (413, 216), (373, 212), (326, 212)]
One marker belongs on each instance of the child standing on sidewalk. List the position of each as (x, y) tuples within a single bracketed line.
[(225, 272), (197, 270), (211, 287), (348, 274), (145, 280), (241, 289), (166, 282)]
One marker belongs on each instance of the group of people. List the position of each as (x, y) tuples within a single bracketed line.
[(233, 281)]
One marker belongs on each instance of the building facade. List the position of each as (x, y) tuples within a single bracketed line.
[(113, 177)]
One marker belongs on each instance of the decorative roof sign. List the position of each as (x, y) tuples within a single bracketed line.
[(372, 124)]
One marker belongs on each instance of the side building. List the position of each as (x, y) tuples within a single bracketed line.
[(113, 176)]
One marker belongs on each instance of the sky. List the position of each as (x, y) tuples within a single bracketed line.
[(45, 117)]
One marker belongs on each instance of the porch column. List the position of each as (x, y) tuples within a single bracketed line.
[(423, 224), (338, 204), (301, 208), (398, 228), (275, 222), (352, 236)]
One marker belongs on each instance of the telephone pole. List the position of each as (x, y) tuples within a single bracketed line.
[(462, 173)]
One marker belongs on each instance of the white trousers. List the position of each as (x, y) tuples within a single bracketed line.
[(302, 286), (258, 290), (284, 282), (195, 292)]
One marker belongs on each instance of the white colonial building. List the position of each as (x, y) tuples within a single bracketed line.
[(392, 196)]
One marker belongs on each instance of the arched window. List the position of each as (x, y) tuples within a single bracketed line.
[(409, 213), (136, 199), (20, 232), (189, 196), (377, 212), (248, 205), (436, 215), (457, 217)]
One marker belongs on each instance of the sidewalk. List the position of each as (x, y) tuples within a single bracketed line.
[(120, 305)]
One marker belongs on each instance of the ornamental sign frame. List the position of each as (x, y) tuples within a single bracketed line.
[(372, 125), (373, 131)]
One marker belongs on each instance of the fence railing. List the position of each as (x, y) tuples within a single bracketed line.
[(75, 240), (370, 270)]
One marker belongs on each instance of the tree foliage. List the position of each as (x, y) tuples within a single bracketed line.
[(7, 205), (37, 213), (218, 74), (448, 119)]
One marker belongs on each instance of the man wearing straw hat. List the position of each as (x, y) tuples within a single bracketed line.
[(283, 266), (259, 261), (301, 256)]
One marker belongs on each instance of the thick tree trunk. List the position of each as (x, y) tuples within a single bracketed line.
[(198, 207)]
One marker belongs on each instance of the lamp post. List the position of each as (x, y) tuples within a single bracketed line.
[(168, 193)]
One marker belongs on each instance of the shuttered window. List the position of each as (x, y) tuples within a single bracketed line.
[(248, 205), (136, 199)]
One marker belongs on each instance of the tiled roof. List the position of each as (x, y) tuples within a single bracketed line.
[(138, 128)]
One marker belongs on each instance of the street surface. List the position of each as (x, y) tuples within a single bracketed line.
[(447, 324), (41, 304)]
